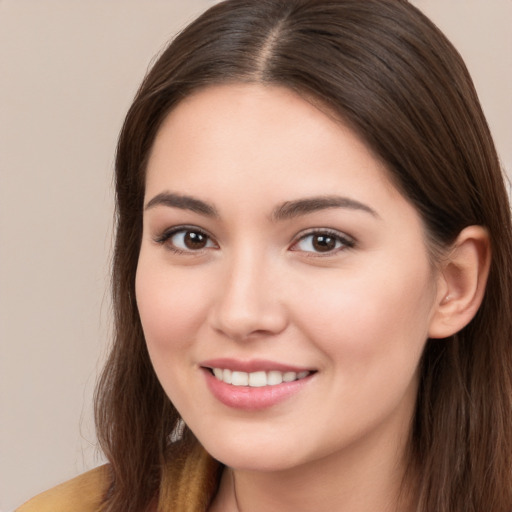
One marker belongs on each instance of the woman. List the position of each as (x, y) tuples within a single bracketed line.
[(311, 274)]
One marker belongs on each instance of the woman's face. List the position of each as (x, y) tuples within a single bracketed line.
[(283, 284)]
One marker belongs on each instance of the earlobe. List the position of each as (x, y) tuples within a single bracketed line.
[(462, 281)]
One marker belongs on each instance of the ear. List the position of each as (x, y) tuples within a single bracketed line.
[(461, 284)]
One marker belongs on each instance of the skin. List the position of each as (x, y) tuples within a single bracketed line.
[(358, 315)]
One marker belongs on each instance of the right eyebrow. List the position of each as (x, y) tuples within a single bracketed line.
[(298, 207), (183, 202)]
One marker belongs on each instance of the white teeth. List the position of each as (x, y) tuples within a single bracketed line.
[(239, 379), (257, 379), (274, 378), (289, 376), (226, 376)]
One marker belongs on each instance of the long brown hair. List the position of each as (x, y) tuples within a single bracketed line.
[(389, 73)]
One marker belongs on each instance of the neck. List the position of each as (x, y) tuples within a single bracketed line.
[(356, 483), (320, 488)]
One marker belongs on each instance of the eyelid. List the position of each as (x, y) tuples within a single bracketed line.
[(168, 233), (347, 242)]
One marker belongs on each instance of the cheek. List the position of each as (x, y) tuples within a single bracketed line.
[(373, 338), (171, 307), (374, 319)]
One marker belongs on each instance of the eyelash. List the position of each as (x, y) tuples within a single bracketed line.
[(341, 241), (345, 242), (166, 236)]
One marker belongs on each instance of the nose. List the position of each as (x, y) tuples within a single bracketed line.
[(249, 300)]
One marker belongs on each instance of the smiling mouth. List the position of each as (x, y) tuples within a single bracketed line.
[(257, 379)]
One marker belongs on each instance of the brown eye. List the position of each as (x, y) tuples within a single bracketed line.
[(195, 240), (323, 242), (186, 240)]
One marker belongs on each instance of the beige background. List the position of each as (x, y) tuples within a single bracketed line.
[(68, 70)]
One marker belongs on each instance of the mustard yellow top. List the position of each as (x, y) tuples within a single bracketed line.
[(188, 485), (81, 494)]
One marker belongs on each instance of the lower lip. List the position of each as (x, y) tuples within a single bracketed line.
[(252, 399)]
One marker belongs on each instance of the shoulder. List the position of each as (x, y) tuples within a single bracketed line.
[(81, 494)]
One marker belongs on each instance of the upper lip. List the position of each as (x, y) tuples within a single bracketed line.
[(253, 365)]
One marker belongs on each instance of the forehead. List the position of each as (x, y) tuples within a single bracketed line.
[(259, 132)]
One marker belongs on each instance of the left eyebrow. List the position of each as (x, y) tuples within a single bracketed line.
[(299, 207), (182, 202)]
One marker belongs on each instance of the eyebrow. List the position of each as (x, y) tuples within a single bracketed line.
[(299, 207), (287, 210), (183, 202)]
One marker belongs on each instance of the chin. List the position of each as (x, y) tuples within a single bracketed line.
[(251, 455)]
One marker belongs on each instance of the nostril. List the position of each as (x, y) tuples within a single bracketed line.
[(247, 323)]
